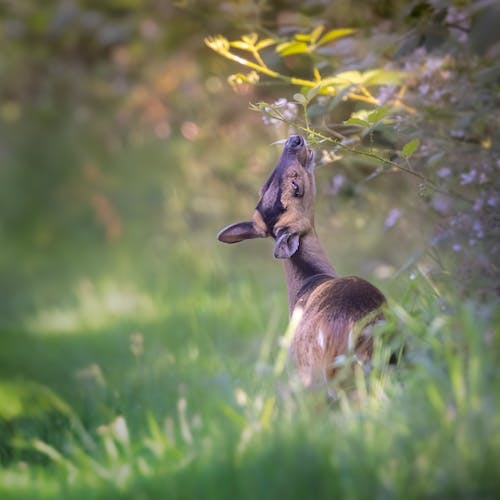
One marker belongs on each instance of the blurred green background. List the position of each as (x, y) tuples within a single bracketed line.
[(133, 346), (124, 150)]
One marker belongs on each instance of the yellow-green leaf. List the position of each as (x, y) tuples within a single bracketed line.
[(289, 48), (302, 37), (357, 121), (383, 77), (250, 39), (238, 44), (316, 33), (265, 43), (334, 34), (350, 77), (218, 43), (410, 147), (377, 114)]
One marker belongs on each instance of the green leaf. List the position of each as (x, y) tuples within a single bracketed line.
[(357, 121), (334, 34), (410, 147), (377, 114), (383, 77), (234, 417), (289, 48), (348, 77)]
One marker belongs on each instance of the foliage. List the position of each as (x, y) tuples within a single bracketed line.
[(429, 103), (184, 419), (140, 359)]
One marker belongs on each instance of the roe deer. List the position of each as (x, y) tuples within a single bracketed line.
[(329, 306)]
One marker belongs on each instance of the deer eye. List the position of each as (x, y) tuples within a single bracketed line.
[(298, 192)]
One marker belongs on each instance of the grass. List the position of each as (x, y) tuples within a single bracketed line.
[(171, 391)]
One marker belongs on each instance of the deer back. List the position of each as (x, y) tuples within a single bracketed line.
[(330, 314)]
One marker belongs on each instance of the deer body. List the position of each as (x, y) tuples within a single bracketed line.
[(329, 306)]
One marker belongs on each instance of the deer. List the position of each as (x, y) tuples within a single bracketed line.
[(327, 308)]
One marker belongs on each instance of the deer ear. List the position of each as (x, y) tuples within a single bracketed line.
[(239, 231), (286, 245)]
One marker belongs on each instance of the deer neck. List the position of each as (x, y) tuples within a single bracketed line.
[(308, 262)]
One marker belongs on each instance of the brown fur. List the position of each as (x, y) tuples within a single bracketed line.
[(331, 307), (330, 312)]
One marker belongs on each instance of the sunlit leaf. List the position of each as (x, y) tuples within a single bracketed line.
[(217, 43), (383, 77), (371, 77), (410, 147), (302, 37), (316, 33), (334, 34), (239, 44), (377, 114), (344, 78), (250, 39), (265, 43), (294, 47), (357, 121)]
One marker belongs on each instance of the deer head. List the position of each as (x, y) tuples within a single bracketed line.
[(285, 210)]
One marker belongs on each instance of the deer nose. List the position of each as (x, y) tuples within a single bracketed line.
[(295, 142)]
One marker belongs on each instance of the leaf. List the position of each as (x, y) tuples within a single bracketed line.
[(302, 37), (383, 77), (300, 99), (410, 147), (334, 34), (312, 93), (316, 33), (349, 77), (217, 43), (357, 121), (233, 416), (238, 44), (250, 39), (289, 48), (265, 43), (267, 413), (377, 114)]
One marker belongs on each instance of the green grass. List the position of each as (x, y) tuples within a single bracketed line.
[(166, 387)]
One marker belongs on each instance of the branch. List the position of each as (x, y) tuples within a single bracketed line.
[(220, 45), (387, 162)]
